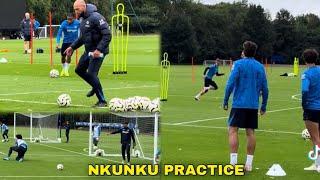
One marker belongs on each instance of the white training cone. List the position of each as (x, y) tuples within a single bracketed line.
[(276, 170), (3, 60)]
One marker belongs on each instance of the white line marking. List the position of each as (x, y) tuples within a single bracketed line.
[(295, 97), (47, 92), (200, 120), (39, 102), (48, 103), (210, 119), (74, 152), (220, 127)]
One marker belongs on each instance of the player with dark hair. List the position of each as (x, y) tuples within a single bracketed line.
[(20, 147), (70, 30), (126, 135), (208, 74), (247, 82), (4, 130), (310, 89)]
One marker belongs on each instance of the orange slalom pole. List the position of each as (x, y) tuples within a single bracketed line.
[(77, 53), (193, 73), (50, 29), (31, 39)]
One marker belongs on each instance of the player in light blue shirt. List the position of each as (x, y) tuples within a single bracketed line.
[(247, 82), (96, 134), (20, 147), (208, 73), (310, 90), (70, 30), (4, 130)]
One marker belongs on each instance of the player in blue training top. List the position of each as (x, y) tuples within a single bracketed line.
[(4, 130), (70, 30), (36, 28), (126, 135), (208, 74), (247, 82), (310, 89), (96, 135), (20, 147)]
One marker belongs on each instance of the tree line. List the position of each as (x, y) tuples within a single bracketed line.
[(191, 29), (218, 31), (147, 11)]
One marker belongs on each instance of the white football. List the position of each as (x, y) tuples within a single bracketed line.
[(60, 167), (154, 107), (99, 152), (64, 100), (305, 134), (137, 153), (117, 105), (130, 105), (54, 73)]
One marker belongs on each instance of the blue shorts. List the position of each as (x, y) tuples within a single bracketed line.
[(311, 115), (243, 118)]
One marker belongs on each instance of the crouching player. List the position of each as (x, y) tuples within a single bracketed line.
[(311, 101), (20, 147), (208, 74)]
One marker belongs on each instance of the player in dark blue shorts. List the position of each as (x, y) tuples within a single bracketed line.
[(70, 30), (247, 81), (310, 89), (208, 74)]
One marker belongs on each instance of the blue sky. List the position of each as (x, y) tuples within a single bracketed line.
[(296, 7)]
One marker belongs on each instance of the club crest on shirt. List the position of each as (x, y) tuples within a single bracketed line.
[(303, 76), (87, 24), (101, 21)]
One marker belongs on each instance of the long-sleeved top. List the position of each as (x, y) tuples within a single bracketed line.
[(247, 81)]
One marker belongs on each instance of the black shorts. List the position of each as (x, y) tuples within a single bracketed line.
[(311, 115), (243, 118), (64, 47), (209, 82), (27, 37), (5, 132), (95, 140)]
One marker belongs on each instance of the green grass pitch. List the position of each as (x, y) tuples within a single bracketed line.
[(26, 87), (194, 132), (41, 159)]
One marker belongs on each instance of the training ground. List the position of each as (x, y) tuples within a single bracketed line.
[(195, 132), (28, 87)]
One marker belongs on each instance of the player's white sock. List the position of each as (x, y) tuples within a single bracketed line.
[(249, 160), (233, 158), (67, 66)]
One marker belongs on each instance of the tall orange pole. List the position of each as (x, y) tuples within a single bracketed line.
[(51, 37), (193, 73), (77, 49), (31, 39)]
